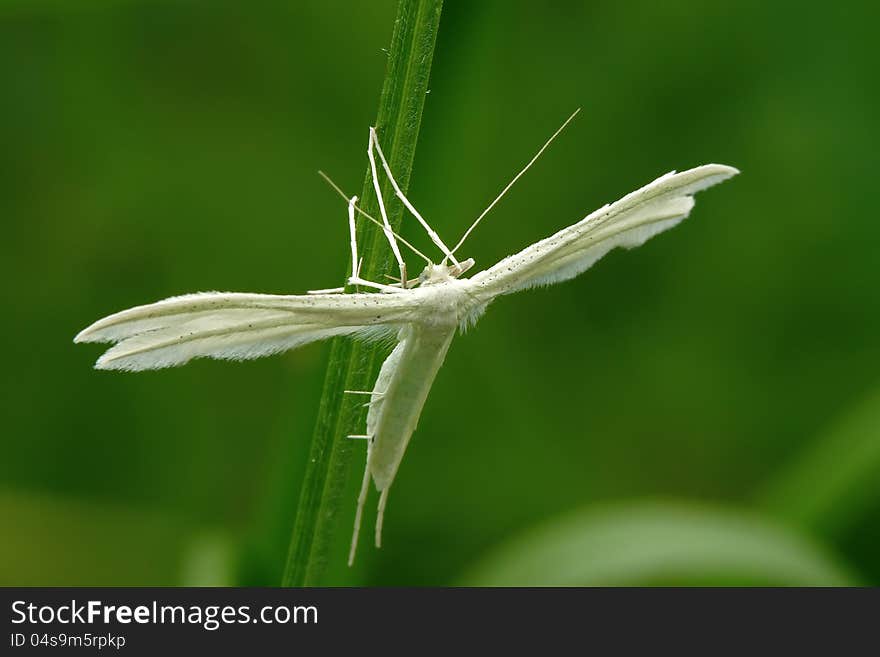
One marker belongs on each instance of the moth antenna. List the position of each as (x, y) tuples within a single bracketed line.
[(371, 218), (515, 178), (374, 141), (362, 498)]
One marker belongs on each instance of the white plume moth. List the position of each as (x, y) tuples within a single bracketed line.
[(422, 314)]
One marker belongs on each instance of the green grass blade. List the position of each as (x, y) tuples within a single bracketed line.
[(354, 365), (656, 543)]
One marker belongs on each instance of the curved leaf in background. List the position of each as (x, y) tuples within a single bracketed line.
[(60, 541), (837, 478), (209, 559), (659, 543)]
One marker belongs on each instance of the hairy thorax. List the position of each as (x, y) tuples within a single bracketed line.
[(446, 295)]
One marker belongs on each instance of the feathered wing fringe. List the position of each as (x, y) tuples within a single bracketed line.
[(235, 326)]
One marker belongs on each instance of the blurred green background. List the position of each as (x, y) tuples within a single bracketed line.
[(705, 409)]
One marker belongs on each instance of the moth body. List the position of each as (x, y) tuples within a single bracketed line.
[(402, 387), (422, 314)]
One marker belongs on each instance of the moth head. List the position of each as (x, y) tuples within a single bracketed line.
[(434, 274)]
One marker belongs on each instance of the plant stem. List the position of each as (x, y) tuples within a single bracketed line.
[(353, 366)]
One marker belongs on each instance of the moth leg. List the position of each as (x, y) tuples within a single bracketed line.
[(374, 140), (357, 280), (370, 218), (380, 516), (389, 234), (410, 283), (374, 397), (352, 230), (329, 290), (362, 498)]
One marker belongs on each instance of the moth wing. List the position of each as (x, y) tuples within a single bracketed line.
[(237, 326), (629, 222)]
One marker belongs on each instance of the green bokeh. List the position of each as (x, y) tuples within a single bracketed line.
[(149, 149)]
